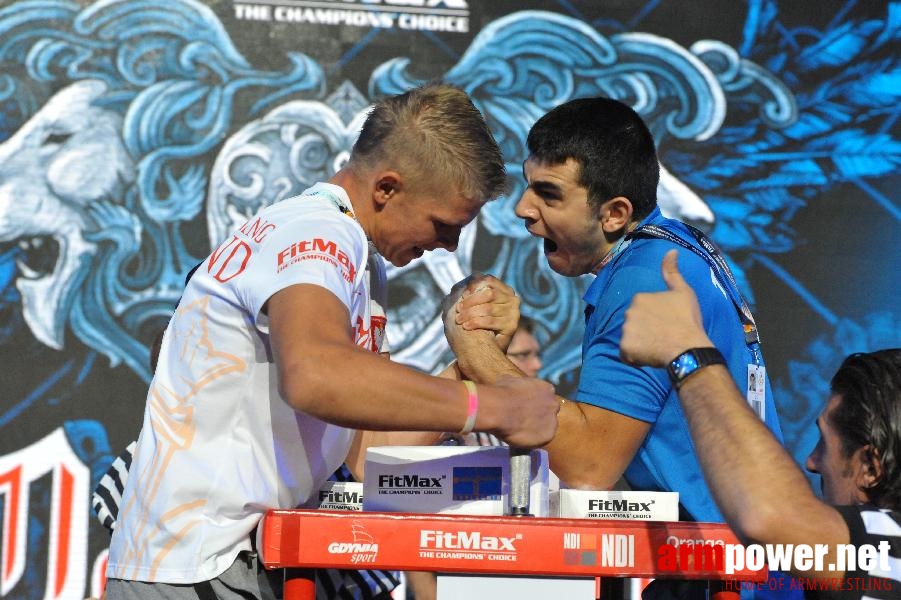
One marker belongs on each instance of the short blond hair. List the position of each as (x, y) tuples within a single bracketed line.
[(435, 135)]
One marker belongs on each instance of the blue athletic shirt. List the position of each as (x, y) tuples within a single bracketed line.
[(666, 461)]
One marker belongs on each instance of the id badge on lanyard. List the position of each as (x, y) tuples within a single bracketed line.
[(756, 390)]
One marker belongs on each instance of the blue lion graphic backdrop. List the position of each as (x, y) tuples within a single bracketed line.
[(135, 134)]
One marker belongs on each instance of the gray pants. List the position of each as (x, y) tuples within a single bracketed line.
[(245, 579)]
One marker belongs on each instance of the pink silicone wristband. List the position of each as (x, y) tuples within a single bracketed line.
[(473, 407)]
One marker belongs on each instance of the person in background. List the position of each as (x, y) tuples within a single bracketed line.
[(524, 350), (762, 492)]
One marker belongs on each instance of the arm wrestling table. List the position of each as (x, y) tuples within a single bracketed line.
[(313, 539)]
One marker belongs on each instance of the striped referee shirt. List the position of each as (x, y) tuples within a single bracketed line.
[(871, 526)]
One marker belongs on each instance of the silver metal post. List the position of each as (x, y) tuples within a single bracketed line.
[(520, 478)]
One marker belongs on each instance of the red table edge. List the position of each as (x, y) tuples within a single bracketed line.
[(280, 530)]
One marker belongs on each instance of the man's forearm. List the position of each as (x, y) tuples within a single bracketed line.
[(757, 485), (485, 363), (592, 447)]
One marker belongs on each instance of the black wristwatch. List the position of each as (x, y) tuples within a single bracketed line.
[(690, 361)]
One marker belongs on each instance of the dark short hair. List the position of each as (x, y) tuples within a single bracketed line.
[(613, 146), (433, 132), (869, 413), (526, 324)]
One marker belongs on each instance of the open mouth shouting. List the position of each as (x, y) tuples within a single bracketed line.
[(550, 246)]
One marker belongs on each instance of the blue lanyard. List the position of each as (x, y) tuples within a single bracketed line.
[(712, 255)]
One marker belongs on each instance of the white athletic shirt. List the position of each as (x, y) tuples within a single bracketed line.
[(219, 446)]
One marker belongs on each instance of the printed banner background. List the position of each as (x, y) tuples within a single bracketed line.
[(134, 134)]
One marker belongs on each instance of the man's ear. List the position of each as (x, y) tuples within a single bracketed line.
[(868, 468), (616, 214), (386, 186)]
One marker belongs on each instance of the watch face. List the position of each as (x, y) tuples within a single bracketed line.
[(690, 361), (683, 365)]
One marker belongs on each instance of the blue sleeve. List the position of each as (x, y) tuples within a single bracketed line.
[(606, 381)]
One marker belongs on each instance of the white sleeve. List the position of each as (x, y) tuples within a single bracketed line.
[(327, 249)]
